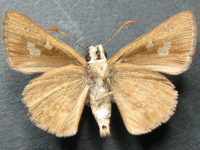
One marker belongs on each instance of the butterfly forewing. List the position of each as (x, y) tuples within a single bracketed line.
[(56, 99), (145, 98), (31, 49), (167, 48)]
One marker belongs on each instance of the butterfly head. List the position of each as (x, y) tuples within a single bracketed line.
[(97, 58), (96, 53)]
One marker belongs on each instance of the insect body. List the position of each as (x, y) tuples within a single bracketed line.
[(56, 99), (101, 108)]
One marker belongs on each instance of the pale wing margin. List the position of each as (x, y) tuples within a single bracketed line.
[(146, 99), (31, 49), (56, 99), (167, 48)]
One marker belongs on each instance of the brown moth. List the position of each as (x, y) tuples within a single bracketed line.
[(56, 99)]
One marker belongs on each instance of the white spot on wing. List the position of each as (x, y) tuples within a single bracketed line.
[(30, 44), (28, 29), (167, 44), (150, 44), (168, 28), (165, 49), (48, 46), (33, 51)]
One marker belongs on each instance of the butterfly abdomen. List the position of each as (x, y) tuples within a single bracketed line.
[(101, 107)]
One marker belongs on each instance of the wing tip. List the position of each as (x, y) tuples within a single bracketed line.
[(193, 41)]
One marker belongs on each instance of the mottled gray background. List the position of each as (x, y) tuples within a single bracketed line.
[(92, 22)]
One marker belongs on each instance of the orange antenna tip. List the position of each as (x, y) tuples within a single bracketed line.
[(53, 29), (128, 22), (57, 30)]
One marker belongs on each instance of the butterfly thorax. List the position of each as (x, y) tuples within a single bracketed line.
[(98, 60), (101, 107)]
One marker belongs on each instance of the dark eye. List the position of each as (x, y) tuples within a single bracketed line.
[(105, 54), (87, 57)]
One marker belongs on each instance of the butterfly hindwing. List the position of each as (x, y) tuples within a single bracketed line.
[(144, 98), (31, 49), (167, 48), (56, 99)]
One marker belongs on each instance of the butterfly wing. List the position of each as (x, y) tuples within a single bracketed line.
[(144, 98), (56, 99), (167, 48), (31, 49)]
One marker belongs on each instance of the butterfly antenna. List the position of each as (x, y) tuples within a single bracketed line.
[(57, 30), (126, 23)]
